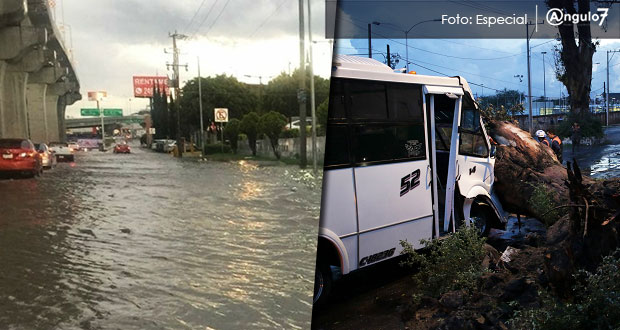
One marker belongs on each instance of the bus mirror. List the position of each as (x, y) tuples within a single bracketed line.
[(493, 150)]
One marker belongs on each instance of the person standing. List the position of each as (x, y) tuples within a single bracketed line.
[(556, 145)]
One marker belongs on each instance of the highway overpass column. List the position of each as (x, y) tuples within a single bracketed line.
[(15, 123), (51, 117), (37, 117)]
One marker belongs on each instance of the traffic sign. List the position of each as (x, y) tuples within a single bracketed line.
[(89, 112), (221, 115), (94, 112), (112, 112)]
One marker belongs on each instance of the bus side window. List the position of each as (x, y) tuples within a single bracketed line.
[(337, 146), (367, 99), (336, 100)]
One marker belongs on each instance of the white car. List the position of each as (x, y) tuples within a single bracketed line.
[(62, 151)]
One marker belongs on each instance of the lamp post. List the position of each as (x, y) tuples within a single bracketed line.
[(407, 35), (520, 77)]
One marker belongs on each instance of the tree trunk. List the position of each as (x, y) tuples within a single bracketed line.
[(522, 163), (576, 59), (274, 146), (252, 142)]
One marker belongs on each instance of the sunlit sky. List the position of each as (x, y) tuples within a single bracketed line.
[(114, 40)]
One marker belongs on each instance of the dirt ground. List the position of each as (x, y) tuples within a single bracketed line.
[(380, 297)]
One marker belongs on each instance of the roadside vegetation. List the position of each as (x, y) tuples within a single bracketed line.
[(453, 263)]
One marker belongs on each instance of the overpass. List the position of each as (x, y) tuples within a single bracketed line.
[(96, 121), (37, 77)]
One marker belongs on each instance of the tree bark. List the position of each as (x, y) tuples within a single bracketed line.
[(576, 58)]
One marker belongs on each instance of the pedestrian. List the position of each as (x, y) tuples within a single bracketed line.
[(556, 144), (576, 137)]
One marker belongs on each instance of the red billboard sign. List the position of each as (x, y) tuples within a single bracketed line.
[(143, 85)]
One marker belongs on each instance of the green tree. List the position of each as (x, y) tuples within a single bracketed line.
[(217, 92), (249, 127), (280, 94), (321, 117), (232, 133), (271, 124)]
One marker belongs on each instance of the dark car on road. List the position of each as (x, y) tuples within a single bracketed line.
[(122, 148), (19, 156)]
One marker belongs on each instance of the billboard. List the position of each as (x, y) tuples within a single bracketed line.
[(97, 96), (143, 85)]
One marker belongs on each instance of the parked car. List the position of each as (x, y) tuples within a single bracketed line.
[(47, 157), (122, 148), (62, 151), (19, 156)]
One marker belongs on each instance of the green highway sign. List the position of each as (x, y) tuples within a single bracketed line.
[(112, 112), (94, 112), (89, 112)]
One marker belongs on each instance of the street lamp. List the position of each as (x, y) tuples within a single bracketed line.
[(407, 35)]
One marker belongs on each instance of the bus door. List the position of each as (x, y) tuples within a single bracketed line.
[(476, 165), (390, 167), (443, 108)]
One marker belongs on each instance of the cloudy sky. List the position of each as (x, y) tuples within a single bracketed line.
[(113, 40), (492, 63)]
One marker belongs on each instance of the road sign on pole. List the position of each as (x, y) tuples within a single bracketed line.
[(94, 112), (89, 112), (113, 112), (221, 115)]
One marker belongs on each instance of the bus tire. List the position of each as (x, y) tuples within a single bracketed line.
[(323, 282), (482, 218)]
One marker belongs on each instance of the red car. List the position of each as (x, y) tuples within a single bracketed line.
[(122, 148), (19, 156)]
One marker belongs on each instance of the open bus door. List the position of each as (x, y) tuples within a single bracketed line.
[(443, 106)]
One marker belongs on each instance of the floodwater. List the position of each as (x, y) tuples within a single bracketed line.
[(145, 241), (599, 161)]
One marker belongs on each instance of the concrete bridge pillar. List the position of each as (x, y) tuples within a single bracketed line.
[(12, 11), (13, 104), (37, 109)]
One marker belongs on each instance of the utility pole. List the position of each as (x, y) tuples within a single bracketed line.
[(202, 129), (301, 94), (369, 40), (312, 101), (529, 78), (544, 82), (177, 89), (607, 92)]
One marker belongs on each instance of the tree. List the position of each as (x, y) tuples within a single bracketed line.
[(272, 124), (280, 94), (574, 60), (321, 117), (159, 114), (249, 126), (232, 133), (217, 92)]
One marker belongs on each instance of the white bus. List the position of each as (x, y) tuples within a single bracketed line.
[(407, 158)]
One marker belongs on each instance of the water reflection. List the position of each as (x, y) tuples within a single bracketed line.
[(146, 241)]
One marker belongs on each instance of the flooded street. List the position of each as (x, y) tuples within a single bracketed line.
[(145, 241), (599, 161)]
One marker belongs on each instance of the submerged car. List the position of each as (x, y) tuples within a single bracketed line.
[(62, 151), (47, 156), (122, 148), (19, 156)]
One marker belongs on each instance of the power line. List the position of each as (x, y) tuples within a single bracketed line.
[(217, 18), (268, 18), (195, 14), (205, 19)]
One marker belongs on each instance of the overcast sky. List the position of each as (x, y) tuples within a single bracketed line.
[(113, 40)]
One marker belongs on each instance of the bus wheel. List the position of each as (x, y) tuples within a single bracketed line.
[(322, 284), (481, 218)]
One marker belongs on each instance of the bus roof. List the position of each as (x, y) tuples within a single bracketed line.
[(346, 66)]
